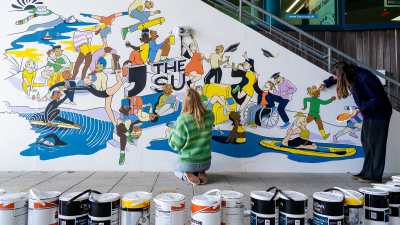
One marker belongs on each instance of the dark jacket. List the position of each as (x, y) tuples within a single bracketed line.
[(369, 95)]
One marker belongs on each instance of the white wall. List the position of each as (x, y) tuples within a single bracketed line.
[(210, 28)]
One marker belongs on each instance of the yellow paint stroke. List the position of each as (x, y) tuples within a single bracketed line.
[(26, 53), (93, 48)]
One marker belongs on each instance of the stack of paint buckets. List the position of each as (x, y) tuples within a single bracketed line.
[(376, 206), (206, 208), (394, 202)]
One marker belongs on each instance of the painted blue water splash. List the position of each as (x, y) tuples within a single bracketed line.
[(91, 139), (36, 37), (252, 148)]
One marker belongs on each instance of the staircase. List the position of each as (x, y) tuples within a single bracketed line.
[(307, 45)]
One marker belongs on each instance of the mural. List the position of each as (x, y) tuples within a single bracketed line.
[(85, 87)]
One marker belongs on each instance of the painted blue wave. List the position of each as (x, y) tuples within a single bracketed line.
[(62, 28), (252, 148), (91, 139)]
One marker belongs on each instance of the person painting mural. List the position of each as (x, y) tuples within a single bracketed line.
[(140, 54), (315, 103), (354, 124), (303, 140), (191, 137), (107, 21), (376, 110), (216, 63), (52, 112), (194, 69), (136, 10), (284, 89)]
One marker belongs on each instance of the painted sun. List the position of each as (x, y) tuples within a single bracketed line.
[(26, 4)]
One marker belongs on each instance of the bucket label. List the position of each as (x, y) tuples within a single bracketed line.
[(16, 214), (83, 220), (138, 217), (378, 216), (287, 220), (326, 220), (170, 215), (353, 216), (262, 220), (43, 215), (232, 213)]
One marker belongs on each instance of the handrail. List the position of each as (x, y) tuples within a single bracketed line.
[(322, 43)]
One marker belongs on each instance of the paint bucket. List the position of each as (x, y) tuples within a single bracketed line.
[(73, 209), (394, 202), (376, 206), (397, 177), (170, 209), (43, 207), (135, 208), (104, 209), (232, 208), (353, 206), (14, 208), (293, 208), (206, 209), (264, 208), (328, 208)]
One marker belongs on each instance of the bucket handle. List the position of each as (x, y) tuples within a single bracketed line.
[(218, 194), (142, 201), (349, 193), (336, 189), (35, 197), (280, 192), (174, 205), (90, 191), (14, 200)]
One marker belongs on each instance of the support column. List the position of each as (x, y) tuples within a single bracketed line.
[(274, 7)]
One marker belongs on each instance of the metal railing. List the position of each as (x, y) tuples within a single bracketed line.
[(325, 58)]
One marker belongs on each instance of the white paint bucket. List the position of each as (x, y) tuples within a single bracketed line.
[(104, 209), (232, 208), (14, 208), (264, 208), (73, 209), (376, 206), (394, 183), (206, 209), (43, 207), (397, 177), (394, 202), (170, 209), (293, 207), (353, 206), (135, 208), (328, 208)]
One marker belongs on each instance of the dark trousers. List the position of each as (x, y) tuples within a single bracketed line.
[(281, 109), (216, 73), (374, 136), (53, 115)]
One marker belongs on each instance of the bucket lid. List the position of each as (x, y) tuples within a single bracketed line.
[(231, 195), (69, 196), (263, 195), (170, 197), (205, 199), (373, 191), (347, 196), (394, 183), (328, 196), (136, 196), (7, 197), (386, 187), (2, 191), (296, 196), (45, 195), (103, 198), (396, 177)]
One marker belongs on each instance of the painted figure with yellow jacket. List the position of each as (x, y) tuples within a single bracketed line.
[(28, 76)]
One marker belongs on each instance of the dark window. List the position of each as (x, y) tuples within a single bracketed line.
[(372, 11)]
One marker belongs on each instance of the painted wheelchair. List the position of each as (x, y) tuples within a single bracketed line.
[(263, 116)]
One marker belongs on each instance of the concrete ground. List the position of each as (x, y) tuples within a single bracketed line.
[(124, 182)]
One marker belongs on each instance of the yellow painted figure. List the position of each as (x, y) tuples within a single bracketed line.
[(28, 76)]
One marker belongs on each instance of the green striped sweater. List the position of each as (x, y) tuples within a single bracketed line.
[(192, 143)]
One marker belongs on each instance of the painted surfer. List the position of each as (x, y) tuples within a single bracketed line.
[(107, 94), (354, 124), (302, 141), (136, 10), (52, 112), (139, 55), (107, 21), (216, 62), (124, 129), (315, 103)]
